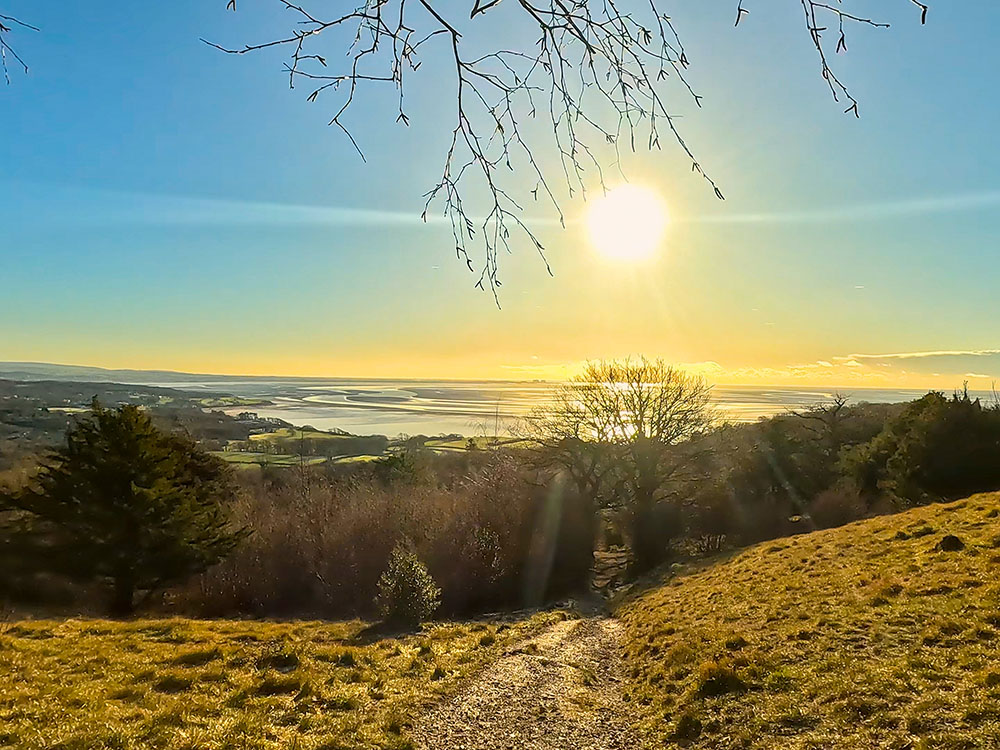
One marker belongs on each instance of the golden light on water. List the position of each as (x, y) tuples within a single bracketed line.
[(627, 223)]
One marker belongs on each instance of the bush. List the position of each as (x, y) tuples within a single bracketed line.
[(711, 519), (407, 595), (717, 678), (837, 506), (938, 448), (321, 541), (746, 480), (475, 537)]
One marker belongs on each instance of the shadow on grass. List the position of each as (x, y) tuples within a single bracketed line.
[(667, 572), (380, 631)]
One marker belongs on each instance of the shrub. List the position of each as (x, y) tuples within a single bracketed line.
[(486, 521), (6, 615), (711, 519), (653, 529), (322, 540), (407, 595), (937, 448), (716, 678), (837, 506), (688, 727)]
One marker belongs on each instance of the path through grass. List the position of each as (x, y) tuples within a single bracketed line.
[(172, 684)]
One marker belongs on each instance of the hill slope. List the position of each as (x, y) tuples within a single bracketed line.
[(869, 635), (231, 685)]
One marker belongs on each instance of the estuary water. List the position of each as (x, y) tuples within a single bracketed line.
[(428, 407)]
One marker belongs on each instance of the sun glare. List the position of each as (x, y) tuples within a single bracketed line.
[(627, 223)]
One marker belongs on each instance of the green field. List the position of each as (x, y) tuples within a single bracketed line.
[(295, 434), (247, 458), (223, 402), (283, 447), (480, 442), (857, 637), (184, 684)]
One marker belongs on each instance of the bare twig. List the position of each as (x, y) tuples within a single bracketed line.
[(597, 71), (7, 26)]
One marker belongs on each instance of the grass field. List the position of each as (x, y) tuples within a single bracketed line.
[(480, 442), (289, 442), (857, 637), (251, 459), (221, 402), (247, 459), (285, 435), (96, 684)]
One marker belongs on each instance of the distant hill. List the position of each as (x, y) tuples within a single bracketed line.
[(882, 633), (78, 373)]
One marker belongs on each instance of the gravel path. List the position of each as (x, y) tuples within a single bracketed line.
[(560, 690)]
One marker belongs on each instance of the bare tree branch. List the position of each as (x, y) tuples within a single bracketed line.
[(597, 71), (7, 26)]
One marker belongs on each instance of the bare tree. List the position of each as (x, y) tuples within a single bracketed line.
[(826, 421), (617, 429), (596, 70), (562, 437)]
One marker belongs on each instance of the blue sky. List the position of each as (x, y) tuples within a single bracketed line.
[(164, 205)]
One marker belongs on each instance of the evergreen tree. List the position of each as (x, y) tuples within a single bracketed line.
[(125, 504), (938, 448), (407, 594)]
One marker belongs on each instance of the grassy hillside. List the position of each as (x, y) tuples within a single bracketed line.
[(864, 636), (93, 684)]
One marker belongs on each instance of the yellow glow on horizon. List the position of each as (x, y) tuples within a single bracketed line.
[(627, 223), (474, 366)]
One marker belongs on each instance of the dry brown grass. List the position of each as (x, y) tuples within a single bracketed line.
[(178, 684), (856, 637)]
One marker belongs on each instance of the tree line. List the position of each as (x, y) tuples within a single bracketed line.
[(630, 455)]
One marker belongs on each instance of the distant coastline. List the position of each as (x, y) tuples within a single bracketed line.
[(366, 406)]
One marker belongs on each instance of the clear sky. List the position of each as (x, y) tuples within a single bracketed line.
[(163, 205)]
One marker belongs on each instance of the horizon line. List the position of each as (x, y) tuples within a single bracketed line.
[(554, 381)]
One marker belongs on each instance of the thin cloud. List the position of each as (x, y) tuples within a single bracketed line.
[(229, 212), (120, 207), (208, 210), (924, 355), (861, 211), (102, 207)]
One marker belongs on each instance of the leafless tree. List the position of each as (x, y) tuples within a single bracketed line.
[(562, 437), (618, 428), (826, 421), (596, 70)]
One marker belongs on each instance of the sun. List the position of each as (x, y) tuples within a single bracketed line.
[(627, 223)]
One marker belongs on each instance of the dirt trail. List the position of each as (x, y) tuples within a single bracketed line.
[(559, 690)]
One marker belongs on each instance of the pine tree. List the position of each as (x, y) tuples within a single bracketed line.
[(127, 505)]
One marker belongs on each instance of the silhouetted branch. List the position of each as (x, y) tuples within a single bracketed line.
[(813, 11), (594, 69), (7, 26)]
